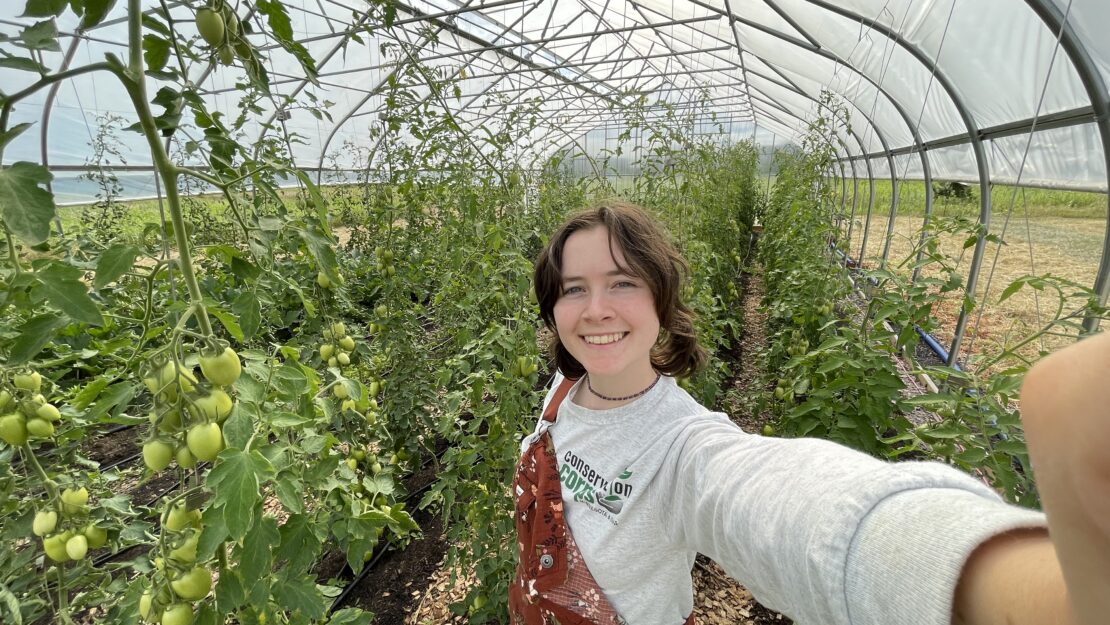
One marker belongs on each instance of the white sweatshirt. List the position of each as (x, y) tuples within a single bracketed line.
[(820, 532)]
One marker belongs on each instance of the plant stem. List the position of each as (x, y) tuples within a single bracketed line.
[(13, 255), (134, 82), (29, 458)]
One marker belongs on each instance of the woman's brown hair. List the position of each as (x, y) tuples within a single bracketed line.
[(652, 257)]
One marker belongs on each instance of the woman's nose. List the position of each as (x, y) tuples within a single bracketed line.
[(599, 307)]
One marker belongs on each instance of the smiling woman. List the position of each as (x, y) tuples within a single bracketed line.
[(626, 478)]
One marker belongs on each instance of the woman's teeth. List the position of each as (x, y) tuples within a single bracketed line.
[(604, 339)]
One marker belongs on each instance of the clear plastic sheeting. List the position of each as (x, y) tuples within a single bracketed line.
[(902, 70)]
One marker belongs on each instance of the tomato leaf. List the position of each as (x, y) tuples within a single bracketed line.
[(256, 555), (230, 595), (118, 395), (44, 8), (25, 207), (95, 12), (41, 36), (10, 134), (69, 294), (213, 534), (300, 594), (249, 310), (235, 482), (33, 336), (114, 263), (228, 321), (238, 429), (91, 391), (156, 52), (351, 616), (300, 541), (22, 64)]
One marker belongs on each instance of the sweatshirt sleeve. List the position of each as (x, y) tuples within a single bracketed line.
[(825, 534)]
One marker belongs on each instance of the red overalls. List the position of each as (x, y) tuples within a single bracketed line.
[(553, 586)]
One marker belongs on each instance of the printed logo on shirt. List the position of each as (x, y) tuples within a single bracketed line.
[(599, 494)]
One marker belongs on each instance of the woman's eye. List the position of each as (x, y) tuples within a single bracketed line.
[(624, 284), (571, 290)]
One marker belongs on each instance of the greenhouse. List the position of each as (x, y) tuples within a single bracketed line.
[(276, 332)]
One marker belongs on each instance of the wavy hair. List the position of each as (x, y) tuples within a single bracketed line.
[(652, 257)]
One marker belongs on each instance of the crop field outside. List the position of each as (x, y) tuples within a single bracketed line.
[(1036, 242)]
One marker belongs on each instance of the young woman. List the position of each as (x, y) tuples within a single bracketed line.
[(626, 478)]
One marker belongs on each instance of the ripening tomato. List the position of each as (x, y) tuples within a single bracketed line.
[(178, 614), (13, 429), (45, 522), (28, 381), (74, 500), (97, 536), (157, 455), (222, 369), (210, 25), (181, 517), (77, 547), (193, 585), (215, 406), (205, 441)]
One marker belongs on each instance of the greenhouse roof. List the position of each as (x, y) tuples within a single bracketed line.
[(989, 90)]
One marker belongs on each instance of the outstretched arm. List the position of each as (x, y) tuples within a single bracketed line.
[(1065, 404)]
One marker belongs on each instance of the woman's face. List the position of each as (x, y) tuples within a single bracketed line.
[(606, 318)]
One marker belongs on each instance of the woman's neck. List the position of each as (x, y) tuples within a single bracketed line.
[(602, 393)]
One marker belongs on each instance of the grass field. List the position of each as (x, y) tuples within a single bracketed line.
[(1069, 247)]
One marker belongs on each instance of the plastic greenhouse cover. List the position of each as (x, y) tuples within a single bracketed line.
[(747, 68)]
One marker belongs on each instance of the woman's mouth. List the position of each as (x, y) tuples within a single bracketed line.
[(604, 339)]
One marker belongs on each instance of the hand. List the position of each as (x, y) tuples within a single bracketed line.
[(1065, 404)]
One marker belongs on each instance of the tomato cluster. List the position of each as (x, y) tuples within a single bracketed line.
[(187, 414), (339, 345), (798, 344), (219, 27), (31, 415), (178, 580), (65, 529)]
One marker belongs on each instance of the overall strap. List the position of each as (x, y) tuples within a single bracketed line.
[(552, 411)]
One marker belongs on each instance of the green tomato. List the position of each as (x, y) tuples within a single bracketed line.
[(381, 310), (157, 455), (74, 500), (193, 585), (5, 399), (144, 605), (55, 547), (323, 280), (178, 614), (181, 517), (326, 351), (187, 552), (347, 343), (77, 547), (40, 428), (28, 381), (338, 329), (185, 458), (376, 468), (215, 406), (375, 388), (222, 369), (13, 429), (343, 359), (210, 25), (340, 391), (49, 413), (768, 430), (352, 464), (45, 522), (97, 536), (205, 441)]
